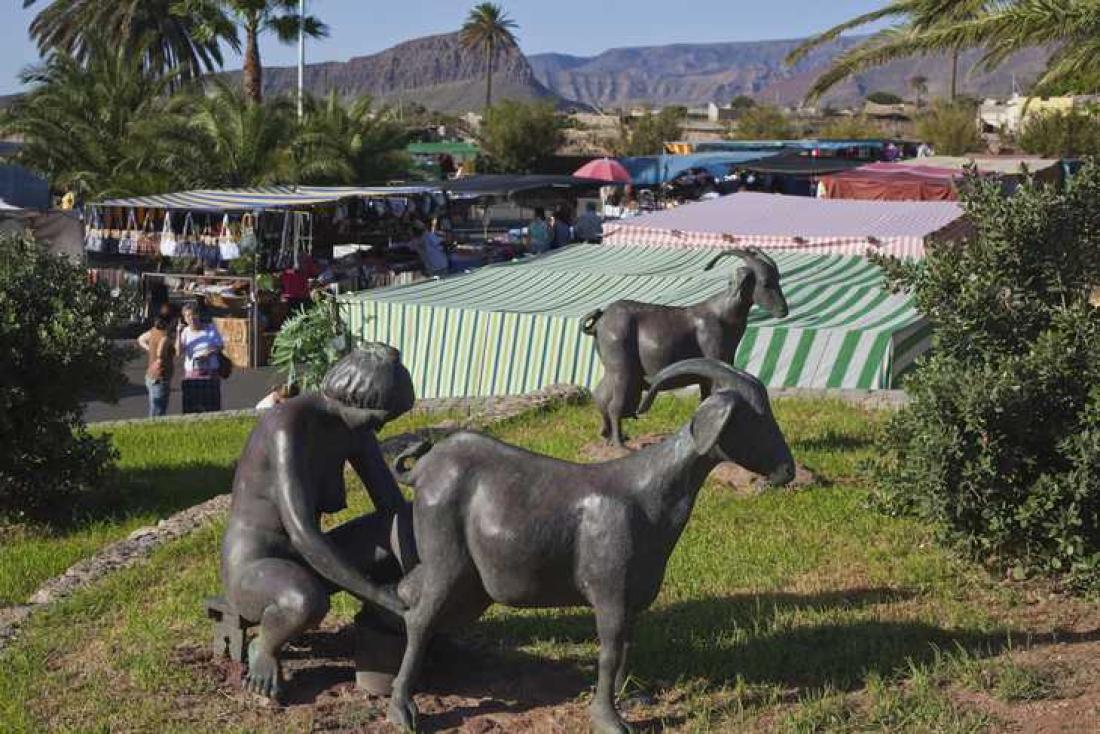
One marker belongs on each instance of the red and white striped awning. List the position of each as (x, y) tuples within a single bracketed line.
[(794, 223)]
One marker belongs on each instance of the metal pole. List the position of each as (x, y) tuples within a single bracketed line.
[(301, 58)]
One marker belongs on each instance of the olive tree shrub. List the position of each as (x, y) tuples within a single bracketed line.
[(1000, 446), (56, 352)]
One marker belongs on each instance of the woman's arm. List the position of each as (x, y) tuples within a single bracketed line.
[(369, 463), (143, 341), (297, 510)]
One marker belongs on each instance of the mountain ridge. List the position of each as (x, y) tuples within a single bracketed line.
[(694, 74)]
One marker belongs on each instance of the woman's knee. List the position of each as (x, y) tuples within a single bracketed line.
[(306, 604)]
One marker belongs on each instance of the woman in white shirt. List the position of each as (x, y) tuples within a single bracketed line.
[(201, 346)]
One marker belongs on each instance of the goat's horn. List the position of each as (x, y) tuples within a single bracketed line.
[(724, 254), (765, 257), (701, 370)]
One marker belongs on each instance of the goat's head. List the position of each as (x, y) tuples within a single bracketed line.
[(766, 293), (736, 422)]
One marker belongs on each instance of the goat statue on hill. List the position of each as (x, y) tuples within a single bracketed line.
[(637, 339), (496, 523)]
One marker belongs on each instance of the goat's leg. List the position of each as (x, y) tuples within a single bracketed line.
[(419, 621), (626, 392), (600, 396), (628, 643), (611, 624)]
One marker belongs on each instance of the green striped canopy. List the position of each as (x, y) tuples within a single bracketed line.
[(515, 327)]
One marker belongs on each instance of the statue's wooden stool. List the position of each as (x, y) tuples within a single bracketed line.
[(230, 629)]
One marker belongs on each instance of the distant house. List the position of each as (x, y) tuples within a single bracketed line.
[(20, 187), (900, 112), (1011, 114)]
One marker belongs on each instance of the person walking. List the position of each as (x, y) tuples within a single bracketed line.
[(161, 352), (201, 345)]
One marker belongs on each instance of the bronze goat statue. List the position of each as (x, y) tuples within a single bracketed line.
[(496, 523), (635, 339)]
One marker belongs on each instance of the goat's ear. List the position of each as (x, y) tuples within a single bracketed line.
[(710, 420), (745, 281)]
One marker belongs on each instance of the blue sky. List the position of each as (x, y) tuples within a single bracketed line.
[(568, 26)]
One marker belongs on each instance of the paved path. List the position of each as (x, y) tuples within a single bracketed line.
[(241, 391)]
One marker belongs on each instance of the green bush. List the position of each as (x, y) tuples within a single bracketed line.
[(1062, 134), (516, 136), (54, 337), (650, 132), (310, 343), (951, 128), (763, 122), (1000, 446)]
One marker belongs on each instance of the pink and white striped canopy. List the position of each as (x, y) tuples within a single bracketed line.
[(794, 223)]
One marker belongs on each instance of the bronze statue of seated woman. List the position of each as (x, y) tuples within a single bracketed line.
[(278, 567)]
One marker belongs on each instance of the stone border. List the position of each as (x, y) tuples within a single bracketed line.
[(144, 541)]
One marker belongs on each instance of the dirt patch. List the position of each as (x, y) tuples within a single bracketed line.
[(728, 474), (467, 687)]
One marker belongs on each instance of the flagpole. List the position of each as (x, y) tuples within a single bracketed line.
[(301, 58)]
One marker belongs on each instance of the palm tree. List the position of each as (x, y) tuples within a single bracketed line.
[(919, 85), (352, 143), (912, 18), (105, 127), (488, 28), (172, 39), (257, 17), (1070, 27), (247, 144)]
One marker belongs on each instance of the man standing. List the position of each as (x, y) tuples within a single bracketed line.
[(589, 226)]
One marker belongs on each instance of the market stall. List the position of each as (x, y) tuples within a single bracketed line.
[(253, 254), (515, 327), (793, 223), (893, 182), (1010, 169)]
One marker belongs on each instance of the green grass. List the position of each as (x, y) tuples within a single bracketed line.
[(163, 468), (786, 611)]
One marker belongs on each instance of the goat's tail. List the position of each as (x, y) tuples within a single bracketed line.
[(588, 325), (401, 468)]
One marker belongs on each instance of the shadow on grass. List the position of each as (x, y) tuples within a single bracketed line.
[(160, 491), (753, 636), (833, 441)]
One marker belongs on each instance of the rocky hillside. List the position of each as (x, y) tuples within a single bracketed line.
[(436, 72), (700, 73)]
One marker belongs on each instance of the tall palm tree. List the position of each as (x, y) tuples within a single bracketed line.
[(919, 85), (256, 17), (911, 18), (489, 29), (173, 39), (105, 127)]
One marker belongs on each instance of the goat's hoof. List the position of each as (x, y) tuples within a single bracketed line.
[(403, 714), (608, 721)]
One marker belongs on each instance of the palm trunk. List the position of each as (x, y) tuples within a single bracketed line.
[(954, 74), (253, 69), (489, 75)]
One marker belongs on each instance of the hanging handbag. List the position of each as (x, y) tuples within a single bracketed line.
[(250, 238), (93, 236), (229, 247), (127, 239), (148, 241), (169, 243), (187, 245)]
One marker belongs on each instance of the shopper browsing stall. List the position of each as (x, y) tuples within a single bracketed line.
[(201, 345)]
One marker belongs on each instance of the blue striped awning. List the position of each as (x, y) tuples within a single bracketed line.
[(271, 197)]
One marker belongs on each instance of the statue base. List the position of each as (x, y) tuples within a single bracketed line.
[(378, 656)]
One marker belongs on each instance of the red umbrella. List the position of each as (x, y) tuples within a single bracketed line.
[(605, 169)]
